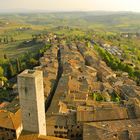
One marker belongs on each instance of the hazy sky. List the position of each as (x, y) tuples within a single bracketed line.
[(108, 5)]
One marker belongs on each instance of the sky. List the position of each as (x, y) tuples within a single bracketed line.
[(72, 5)]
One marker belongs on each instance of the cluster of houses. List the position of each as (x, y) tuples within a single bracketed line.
[(84, 75), (130, 35), (49, 66), (87, 99), (111, 113), (114, 50)]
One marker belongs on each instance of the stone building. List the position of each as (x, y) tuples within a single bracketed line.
[(137, 107), (64, 126), (101, 112), (31, 94), (112, 130), (28, 136), (10, 125)]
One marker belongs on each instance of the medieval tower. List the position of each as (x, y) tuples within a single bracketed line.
[(31, 94)]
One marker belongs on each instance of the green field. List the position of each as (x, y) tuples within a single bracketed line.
[(14, 50), (22, 26)]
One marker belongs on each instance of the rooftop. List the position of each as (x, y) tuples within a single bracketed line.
[(30, 73), (10, 120), (30, 136), (119, 125), (13, 106)]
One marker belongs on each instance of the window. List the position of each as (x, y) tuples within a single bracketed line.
[(13, 131), (61, 136), (72, 136), (56, 126), (80, 135), (56, 132), (65, 132), (26, 90), (65, 127), (77, 135), (7, 134), (78, 126), (14, 135)]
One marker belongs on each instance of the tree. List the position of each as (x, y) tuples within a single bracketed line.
[(1, 72), (117, 99), (88, 44), (18, 65), (4, 79), (97, 97), (129, 70), (10, 70), (5, 56), (33, 62), (12, 39)]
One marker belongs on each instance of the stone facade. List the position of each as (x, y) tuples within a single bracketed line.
[(31, 93)]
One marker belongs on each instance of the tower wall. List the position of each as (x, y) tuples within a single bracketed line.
[(31, 94)]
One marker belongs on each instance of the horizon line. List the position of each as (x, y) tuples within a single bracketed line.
[(5, 11)]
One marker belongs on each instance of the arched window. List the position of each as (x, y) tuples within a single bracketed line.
[(56, 126)]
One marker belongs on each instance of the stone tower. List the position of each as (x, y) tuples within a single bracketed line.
[(31, 94)]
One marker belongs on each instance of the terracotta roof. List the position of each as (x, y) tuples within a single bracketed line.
[(106, 130), (107, 85), (85, 108), (73, 84), (118, 125), (81, 96), (3, 104), (91, 69), (10, 120), (97, 86), (29, 136), (73, 62), (105, 69), (109, 113)]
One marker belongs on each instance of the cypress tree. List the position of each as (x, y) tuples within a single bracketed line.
[(10, 70), (18, 65)]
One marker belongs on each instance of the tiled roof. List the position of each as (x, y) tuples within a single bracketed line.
[(29, 136), (10, 120), (117, 125), (13, 106)]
